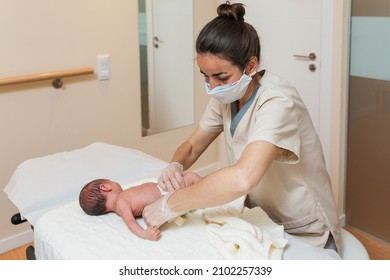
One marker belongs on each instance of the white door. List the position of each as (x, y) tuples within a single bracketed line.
[(291, 30), (170, 63)]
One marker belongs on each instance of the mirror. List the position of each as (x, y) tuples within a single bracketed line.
[(167, 64)]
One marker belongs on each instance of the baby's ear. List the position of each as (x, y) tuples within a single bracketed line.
[(105, 187)]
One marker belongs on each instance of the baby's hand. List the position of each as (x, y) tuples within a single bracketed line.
[(153, 233)]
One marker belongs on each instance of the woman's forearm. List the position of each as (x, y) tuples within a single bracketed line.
[(184, 155), (213, 190), (188, 152)]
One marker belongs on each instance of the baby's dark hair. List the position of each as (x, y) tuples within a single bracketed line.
[(229, 36), (91, 198)]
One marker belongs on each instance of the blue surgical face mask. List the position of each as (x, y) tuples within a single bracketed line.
[(230, 92)]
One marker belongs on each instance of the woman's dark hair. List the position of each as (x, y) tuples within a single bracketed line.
[(91, 199), (229, 36)]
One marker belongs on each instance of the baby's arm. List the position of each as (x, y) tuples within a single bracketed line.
[(151, 233)]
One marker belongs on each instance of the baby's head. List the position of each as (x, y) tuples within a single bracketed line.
[(92, 199)]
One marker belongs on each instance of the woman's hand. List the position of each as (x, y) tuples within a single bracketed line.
[(158, 213), (153, 214), (171, 178)]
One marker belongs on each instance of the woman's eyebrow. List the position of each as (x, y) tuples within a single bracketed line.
[(215, 74)]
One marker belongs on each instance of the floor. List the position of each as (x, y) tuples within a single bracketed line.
[(376, 249)]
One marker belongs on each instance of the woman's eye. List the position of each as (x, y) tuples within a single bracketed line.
[(223, 79)]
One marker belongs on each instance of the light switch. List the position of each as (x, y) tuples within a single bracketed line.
[(103, 62)]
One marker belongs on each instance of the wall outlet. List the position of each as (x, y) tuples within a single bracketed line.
[(103, 63)]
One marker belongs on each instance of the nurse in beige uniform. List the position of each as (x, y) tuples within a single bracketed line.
[(274, 153)]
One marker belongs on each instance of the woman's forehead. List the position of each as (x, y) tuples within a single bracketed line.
[(212, 64)]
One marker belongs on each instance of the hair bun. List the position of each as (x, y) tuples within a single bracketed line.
[(235, 11)]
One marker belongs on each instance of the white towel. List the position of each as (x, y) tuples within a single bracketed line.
[(238, 232)]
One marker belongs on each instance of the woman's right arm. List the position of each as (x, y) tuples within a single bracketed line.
[(217, 188), (186, 154)]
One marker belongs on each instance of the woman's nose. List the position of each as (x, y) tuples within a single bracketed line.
[(214, 84)]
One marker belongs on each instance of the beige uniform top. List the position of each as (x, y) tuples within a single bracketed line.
[(296, 190)]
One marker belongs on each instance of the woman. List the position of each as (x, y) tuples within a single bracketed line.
[(274, 153)]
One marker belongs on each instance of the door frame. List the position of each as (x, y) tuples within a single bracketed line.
[(150, 63), (326, 79), (339, 101), (336, 16)]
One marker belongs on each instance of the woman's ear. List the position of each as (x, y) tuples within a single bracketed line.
[(252, 66)]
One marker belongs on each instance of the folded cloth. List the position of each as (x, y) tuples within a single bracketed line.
[(238, 232)]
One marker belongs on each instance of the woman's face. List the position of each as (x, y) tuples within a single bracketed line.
[(217, 71)]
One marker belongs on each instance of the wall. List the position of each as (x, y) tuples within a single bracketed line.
[(36, 119)]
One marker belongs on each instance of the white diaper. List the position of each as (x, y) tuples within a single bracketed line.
[(162, 191)]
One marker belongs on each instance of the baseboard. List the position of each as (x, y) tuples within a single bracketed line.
[(16, 241)]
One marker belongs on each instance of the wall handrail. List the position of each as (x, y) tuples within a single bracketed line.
[(55, 75)]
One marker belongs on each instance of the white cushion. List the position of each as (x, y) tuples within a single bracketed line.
[(352, 248)]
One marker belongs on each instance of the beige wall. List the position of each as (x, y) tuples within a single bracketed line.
[(36, 119)]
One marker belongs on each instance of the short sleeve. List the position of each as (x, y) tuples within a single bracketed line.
[(212, 119), (277, 122)]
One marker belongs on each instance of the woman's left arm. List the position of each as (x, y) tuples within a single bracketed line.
[(220, 187)]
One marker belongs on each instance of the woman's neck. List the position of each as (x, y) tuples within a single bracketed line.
[(252, 86)]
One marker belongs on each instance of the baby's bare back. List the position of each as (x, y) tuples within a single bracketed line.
[(140, 196)]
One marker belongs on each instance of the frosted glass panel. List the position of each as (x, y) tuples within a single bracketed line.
[(368, 149), (370, 47)]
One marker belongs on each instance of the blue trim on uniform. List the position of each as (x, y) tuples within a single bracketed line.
[(237, 116)]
